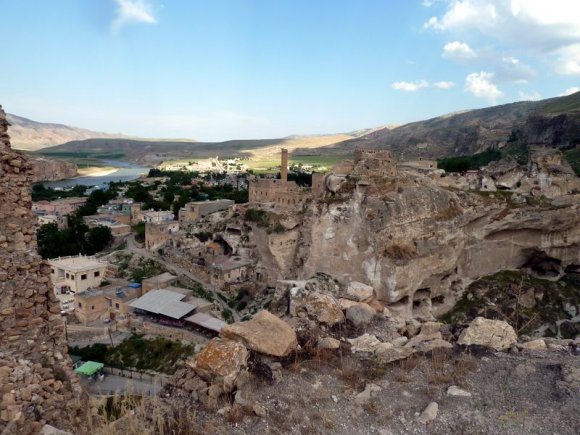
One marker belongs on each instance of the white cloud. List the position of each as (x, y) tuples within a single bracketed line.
[(568, 60), (532, 96), (132, 11), (410, 86), (538, 25), (458, 51), (444, 85), (511, 69), (481, 85), (570, 91), (427, 3)]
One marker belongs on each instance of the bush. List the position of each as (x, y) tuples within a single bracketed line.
[(258, 216)]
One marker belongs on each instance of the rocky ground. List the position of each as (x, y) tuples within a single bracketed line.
[(509, 393)]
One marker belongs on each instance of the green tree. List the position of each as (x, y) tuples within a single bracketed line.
[(97, 239)]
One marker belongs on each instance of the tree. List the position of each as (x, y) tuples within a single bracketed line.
[(97, 239), (49, 240)]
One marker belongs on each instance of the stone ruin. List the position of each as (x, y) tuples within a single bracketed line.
[(37, 384)]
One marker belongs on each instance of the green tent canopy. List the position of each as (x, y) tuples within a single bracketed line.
[(89, 368)]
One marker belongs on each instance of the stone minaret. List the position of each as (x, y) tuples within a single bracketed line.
[(284, 165), (37, 384)]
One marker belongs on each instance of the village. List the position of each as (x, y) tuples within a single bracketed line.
[(183, 274)]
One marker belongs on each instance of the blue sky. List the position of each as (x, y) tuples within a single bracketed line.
[(231, 69)]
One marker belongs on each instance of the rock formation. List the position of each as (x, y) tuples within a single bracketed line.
[(52, 170), (37, 385)]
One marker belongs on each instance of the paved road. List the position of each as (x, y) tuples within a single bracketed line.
[(131, 246)]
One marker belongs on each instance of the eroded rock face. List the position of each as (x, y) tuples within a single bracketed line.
[(495, 334), (37, 384), (52, 170), (265, 333), (419, 245), (221, 362)]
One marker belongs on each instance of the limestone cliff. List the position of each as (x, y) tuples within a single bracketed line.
[(420, 245), (37, 385)]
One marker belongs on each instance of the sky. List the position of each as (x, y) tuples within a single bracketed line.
[(242, 69)]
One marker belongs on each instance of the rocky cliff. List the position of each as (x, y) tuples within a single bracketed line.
[(52, 170), (419, 245), (37, 384)]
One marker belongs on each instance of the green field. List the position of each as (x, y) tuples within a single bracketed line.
[(267, 165)]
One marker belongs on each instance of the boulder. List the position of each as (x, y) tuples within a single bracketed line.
[(328, 343), (357, 291), (538, 344), (495, 334), (367, 343), (360, 314), (321, 307), (386, 352), (455, 391), (265, 333), (370, 391), (429, 414), (221, 362), (346, 303)]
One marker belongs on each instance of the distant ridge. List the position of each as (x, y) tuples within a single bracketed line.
[(27, 134), (552, 122)]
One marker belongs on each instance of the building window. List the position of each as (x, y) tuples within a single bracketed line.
[(97, 273), (67, 276), (116, 305), (93, 307), (84, 276), (80, 305), (52, 271)]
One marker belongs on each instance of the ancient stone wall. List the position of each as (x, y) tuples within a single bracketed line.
[(37, 384)]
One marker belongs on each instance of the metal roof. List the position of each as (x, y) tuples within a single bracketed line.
[(163, 302), (206, 321)]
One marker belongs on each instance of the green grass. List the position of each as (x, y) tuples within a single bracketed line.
[(563, 104), (573, 158), (158, 354), (272, 165)]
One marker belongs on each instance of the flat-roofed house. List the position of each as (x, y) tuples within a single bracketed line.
[(76, 274)]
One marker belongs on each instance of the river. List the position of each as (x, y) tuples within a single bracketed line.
[(126, 172)]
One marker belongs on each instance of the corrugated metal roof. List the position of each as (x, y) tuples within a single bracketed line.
[(176, 309), (206, 321)]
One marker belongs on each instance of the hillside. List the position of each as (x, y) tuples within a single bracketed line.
[(554, 122), (27, 134), (154, 151)]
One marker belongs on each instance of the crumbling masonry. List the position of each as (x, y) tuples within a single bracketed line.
[(37, 385)]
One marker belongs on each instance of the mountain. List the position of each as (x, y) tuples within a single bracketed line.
[(554, 122), (31, 135)]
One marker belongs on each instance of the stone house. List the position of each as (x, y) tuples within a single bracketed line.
[(163, 280), (58, 207), (227, 270), (158, 234), (193, 211), (76, 274), (111, 302)]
